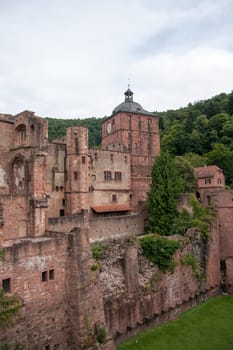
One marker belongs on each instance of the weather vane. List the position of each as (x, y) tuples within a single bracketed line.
[(128, 83)]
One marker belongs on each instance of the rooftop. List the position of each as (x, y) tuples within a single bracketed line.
[(130, 106)]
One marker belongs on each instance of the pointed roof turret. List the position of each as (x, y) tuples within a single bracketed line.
[(130, 106)]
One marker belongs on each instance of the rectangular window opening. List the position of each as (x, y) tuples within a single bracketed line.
[(207, 181), (118, 176), (44, 276), (83, 159), (51, 274), (75, 175), (76, 145), (6, 285), (114, 198), (107, 175), (62, 212)]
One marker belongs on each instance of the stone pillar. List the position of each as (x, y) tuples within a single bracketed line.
[(131, 269), (1, 224), (38, 202), (229, 275), (77, 179), (85, 302)]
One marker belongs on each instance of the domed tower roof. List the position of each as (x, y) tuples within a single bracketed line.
[(130, 106)]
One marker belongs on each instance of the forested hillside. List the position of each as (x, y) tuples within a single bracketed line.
[(57, 128), (202, 132)]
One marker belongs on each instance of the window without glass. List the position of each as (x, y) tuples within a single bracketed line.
[(6, 285), (51, 274), (44, 276)]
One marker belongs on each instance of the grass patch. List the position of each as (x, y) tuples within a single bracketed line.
[(207, 326)]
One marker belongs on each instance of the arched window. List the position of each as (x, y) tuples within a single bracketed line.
[(21, 134), (18, 178)]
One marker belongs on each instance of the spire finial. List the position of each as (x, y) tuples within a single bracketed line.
[(128, 93)]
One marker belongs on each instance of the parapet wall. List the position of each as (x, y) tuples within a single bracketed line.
[(110, 227)]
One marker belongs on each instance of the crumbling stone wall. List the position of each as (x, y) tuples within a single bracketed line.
[(62, 304), (136, 293)]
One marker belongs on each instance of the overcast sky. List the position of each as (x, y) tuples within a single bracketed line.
[(73, 58)]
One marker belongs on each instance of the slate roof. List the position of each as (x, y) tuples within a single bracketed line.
[(130, 106)]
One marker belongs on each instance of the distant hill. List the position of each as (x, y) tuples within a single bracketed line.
[(57, 128), (196, 127)]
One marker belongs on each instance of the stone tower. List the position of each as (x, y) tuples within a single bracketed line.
[(76, 172), (132, 129)]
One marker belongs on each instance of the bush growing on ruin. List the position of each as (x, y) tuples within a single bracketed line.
[(98, 250), (160, 251), (9, 306)]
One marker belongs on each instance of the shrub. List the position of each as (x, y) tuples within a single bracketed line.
[(100, 333), (95, 267), (160, 250), (192, 260), (98, 250), (9, 306)]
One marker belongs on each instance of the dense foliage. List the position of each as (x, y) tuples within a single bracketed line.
[(57, 128), (160, 251), (165, 188), (201, 132), (9, 306), (170, 177)]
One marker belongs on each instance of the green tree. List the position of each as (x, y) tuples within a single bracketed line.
[(222, 156), (186, 174), (165, 188), (230, 104), (173, 141), (196, 160)]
